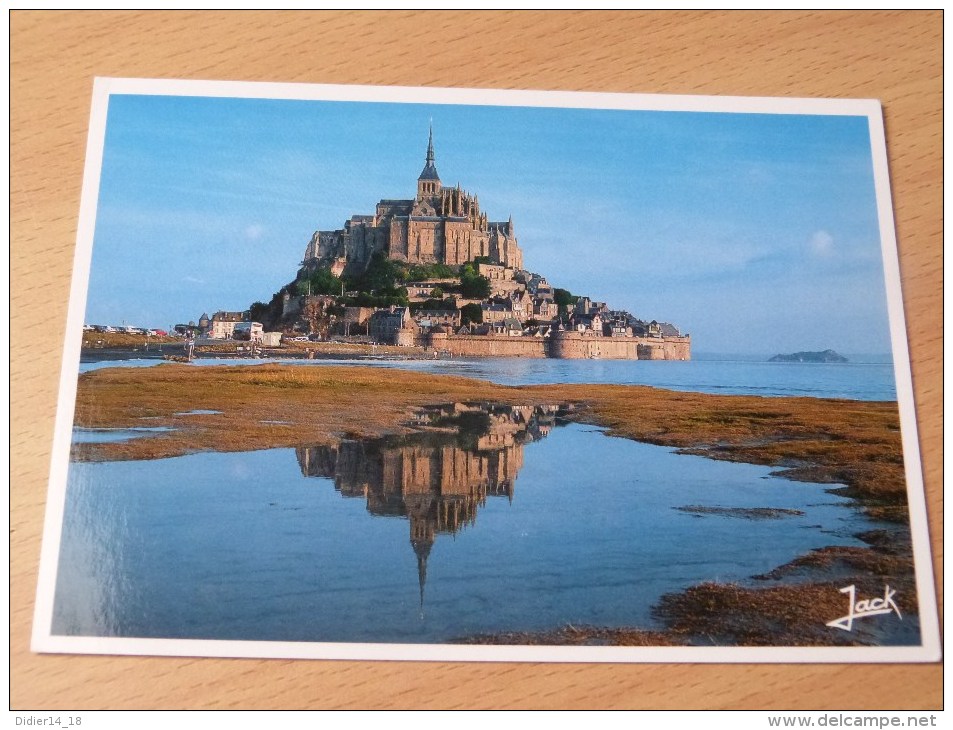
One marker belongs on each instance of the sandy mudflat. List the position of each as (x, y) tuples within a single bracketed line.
[(856, 443)]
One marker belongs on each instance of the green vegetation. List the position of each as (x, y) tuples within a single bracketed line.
[(380, 285), (471, 314), (564, 300), (381, 275), (319, 281), (472, 284), (423, 272), (381, 298), (270, 314), (434, 304), (257, 311)]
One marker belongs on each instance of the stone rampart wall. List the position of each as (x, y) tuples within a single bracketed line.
[(582, 345), (570, 345), (488, 345)]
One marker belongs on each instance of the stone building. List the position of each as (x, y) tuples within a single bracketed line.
[(393, 326), (428, 319), (222, 324), (248, 331), (440, 225)]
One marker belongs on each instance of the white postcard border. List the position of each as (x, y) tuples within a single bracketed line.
[(44, 641)]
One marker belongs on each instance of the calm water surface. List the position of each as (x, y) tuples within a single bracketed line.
[(514, 524)]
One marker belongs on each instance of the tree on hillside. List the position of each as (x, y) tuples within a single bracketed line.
[(423, 272), (381, 274), (472, 285), (564, 297), (319, 281), (564, 300), (270, 314), (258, 311), (471, 314)]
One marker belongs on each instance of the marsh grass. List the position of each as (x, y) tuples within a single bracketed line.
[(853, 443)]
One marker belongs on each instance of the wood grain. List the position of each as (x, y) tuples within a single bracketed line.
[(893, 56)]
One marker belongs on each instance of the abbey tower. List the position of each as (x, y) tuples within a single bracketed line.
[(440, 225)]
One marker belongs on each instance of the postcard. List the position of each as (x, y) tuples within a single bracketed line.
[(470, 375)]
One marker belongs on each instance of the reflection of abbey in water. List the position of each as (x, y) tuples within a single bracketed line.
[(440, 476)]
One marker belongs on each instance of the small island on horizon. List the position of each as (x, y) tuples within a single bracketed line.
[(825, 356)]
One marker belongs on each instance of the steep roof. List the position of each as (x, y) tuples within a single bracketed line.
[(430, 171)]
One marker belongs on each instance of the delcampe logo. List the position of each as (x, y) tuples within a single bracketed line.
[(865, 608)]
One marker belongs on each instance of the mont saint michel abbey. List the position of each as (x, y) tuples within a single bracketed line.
[(440, 225), (518, 317)]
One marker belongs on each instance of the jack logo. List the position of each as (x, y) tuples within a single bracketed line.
[(868, 607)]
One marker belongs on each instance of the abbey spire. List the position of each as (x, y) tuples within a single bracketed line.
[(429, 181)]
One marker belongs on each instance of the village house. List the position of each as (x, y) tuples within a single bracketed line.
[(545, 291), (583, 323), (427, 319), (495, 272), (222, 324), (586, 307), (510, 327), (248, 331), (661, 329), (393, 326), (541, 330), (502, 279), (521, 305), (616, 329), (496, 309), (423, 290), (355, 319), (544, 309)]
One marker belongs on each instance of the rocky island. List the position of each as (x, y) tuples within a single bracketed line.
[(435, 272), (825, 356)]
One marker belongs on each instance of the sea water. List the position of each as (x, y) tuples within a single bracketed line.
[(565, 525)]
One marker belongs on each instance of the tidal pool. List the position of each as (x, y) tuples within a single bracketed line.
[(110, 435), (488, 519)]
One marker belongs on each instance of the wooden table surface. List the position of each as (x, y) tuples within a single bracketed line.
[(893, 56)]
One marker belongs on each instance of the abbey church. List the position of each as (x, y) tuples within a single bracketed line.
[(441, 225)]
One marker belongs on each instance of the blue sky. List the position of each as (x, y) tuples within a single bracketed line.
[(753, 232)]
